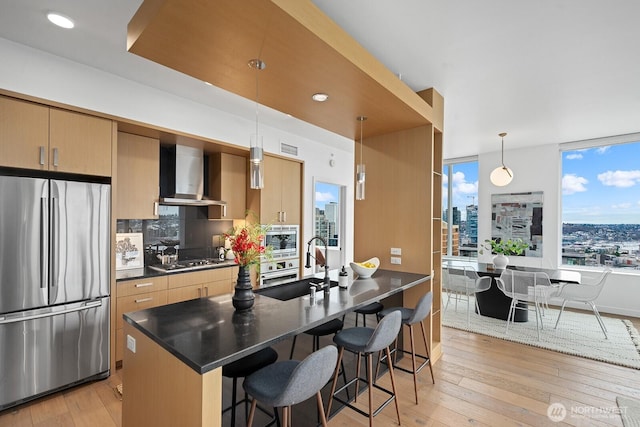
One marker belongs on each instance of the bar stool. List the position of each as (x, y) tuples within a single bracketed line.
[(289, 382), (366, 341), (328, 328), (409, 318), (373, 308), (242, 368)]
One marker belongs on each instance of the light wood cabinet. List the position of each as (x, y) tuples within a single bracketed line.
[(79, 143), (24, 129), (138, 187), (38, 137), (134, 295), (279, 202), (200, 284), (228, 182)]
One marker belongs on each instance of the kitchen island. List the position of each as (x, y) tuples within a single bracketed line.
[(172, 363)]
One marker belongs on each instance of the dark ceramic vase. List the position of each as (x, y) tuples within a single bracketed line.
[(243, 296)]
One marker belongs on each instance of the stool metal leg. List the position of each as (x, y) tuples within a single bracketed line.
[(426, 346)]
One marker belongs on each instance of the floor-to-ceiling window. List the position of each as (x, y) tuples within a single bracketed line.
[(329, 218), (460, 208), (601, 204)]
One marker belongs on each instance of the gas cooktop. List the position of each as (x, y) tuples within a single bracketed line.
[(190, 264)]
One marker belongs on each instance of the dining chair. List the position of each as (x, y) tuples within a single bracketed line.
[(464, 282), (584, 292), (524, 287)]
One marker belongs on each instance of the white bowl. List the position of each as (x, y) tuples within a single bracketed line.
[(365, 272)]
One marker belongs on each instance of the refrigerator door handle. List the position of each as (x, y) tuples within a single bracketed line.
[(54, 244), (43, 242), (18, 318)]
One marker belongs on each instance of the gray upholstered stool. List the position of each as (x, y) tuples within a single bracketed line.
[(373, 308), (411, 316), (243, 368), (366, 341), (289, 382)]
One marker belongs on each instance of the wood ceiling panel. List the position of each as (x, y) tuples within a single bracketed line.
[(304, 51)]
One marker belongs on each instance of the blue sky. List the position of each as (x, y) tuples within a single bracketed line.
[(465, 186), (602, 185), (326, 193)]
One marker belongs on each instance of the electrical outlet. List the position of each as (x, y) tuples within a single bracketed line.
[(131, 343), (396, 251), (396, 260)]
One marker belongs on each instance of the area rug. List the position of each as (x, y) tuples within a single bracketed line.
[(629, 411), (578, 333)]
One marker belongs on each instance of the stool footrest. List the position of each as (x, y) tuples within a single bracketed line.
[(425, 361), (360, 411)]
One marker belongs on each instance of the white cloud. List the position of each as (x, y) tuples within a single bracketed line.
[(574, 156), (460, 184), (621, 206), (602, 150), (324, 197), (621, 179), (572, 183)]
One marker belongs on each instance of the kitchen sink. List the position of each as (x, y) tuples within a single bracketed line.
[(291, 290)]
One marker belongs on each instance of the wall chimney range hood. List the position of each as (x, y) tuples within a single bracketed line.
[(182, 177)]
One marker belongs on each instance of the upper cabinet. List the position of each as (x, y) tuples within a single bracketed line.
[(137, 186), (79, 143), (228, 182), (35, 136), (24, 134), (279, 202)]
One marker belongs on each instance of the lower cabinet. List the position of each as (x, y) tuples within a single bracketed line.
[(200, 284), (134, 295)]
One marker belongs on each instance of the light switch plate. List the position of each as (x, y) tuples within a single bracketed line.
[(131, 343), (396, 260), (396, 251)]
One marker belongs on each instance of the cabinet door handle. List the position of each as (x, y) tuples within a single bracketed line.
[(144, 285), (155, 208), (206, 291), (224, 210), (42, 153), (199, 292), (284, 216), (55, 157), (138, 301)]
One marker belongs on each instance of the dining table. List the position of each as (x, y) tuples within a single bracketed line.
[(493, 302)]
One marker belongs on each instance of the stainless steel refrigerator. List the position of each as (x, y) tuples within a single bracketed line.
[(54, 285)]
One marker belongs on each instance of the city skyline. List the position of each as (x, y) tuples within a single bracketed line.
[(326, 193)]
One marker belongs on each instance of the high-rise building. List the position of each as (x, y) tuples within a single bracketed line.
[(472, 223)]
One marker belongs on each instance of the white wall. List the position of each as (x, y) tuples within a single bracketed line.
[(538, 169), (32, 72)]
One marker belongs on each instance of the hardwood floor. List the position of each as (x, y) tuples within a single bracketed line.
[(480, 381)]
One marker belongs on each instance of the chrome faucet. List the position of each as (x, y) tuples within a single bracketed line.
[(326, 282)]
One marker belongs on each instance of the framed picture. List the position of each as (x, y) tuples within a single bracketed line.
[(129, 251), (518, 216)]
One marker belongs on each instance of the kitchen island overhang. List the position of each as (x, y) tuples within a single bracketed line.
[(205, 334)]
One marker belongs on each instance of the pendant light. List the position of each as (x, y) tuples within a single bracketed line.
[(360, 175), (256, 163), (501, 175)]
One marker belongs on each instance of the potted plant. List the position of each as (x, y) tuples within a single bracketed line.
[(502, 248), (247, 244)]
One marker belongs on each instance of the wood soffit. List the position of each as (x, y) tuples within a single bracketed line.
[(305, 52)]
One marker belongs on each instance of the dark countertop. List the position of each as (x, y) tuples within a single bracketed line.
[(207, 333), (145, 272)]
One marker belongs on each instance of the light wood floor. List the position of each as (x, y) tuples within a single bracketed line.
[(480, 381)]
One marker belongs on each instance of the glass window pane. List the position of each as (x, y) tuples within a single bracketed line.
[(460, 203), (601, 206)]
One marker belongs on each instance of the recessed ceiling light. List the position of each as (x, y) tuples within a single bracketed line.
[(320, 97), (60, 20), (208, 84)]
